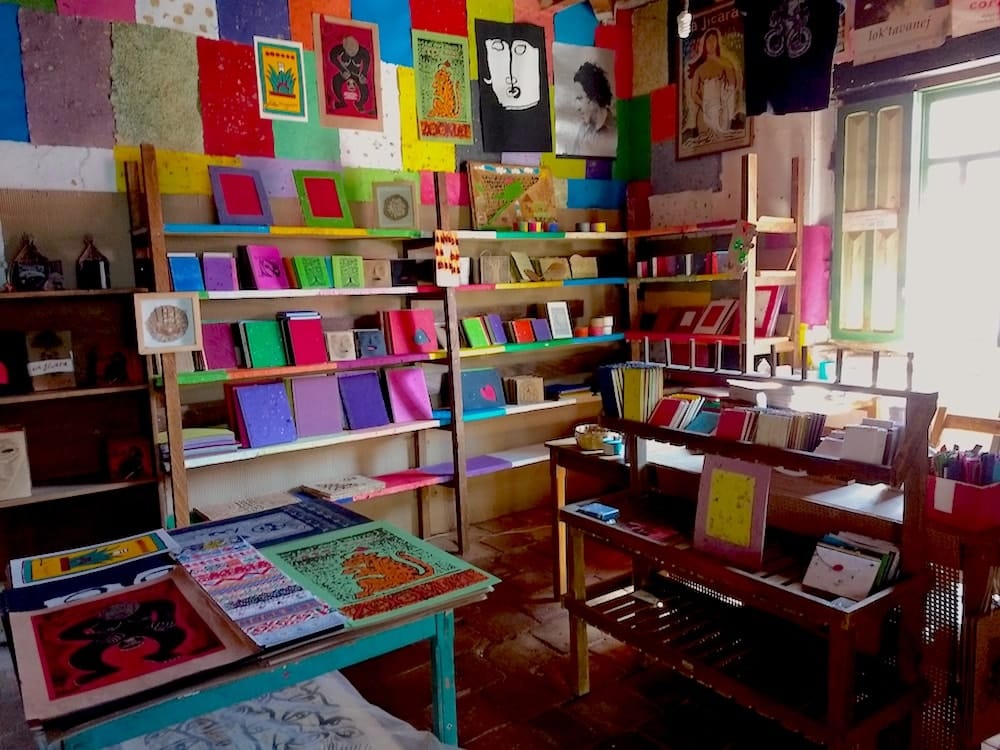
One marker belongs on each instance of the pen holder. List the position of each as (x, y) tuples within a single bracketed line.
[(967, 507), (614, 445)]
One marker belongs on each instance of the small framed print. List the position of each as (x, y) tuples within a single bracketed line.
[(716, 317), (239, 196), (732, 510), (559, 321), (322, 198), (395, 205), (767, 301), (167, 323), (686, 319)]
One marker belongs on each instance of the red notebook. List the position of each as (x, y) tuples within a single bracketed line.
[(665, 411), (307, 344), (732, 423), (410, 331), (522, 331)]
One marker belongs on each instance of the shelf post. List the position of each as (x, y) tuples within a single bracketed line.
[(454, 360), (748, 290)]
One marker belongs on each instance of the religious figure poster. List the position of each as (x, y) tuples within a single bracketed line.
[(513, 87), (711, 100), (585, 101), (281, 92), (887, 28), (347, 73), (444, 101)]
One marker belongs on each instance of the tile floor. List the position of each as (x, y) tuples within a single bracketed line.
[(513, 670)]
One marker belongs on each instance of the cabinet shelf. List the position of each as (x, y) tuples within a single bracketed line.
[(255, 231), (46, 493), (258, 294), (67, 293), (26, 398), (764, 225), (488, 235), (730, 649), (479, 415), (290, 371), (764, 278), (761, 345)]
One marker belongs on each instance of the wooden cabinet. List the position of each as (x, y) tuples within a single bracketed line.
[(836, 672)]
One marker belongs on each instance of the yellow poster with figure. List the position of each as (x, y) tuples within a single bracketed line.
[(281, 93)]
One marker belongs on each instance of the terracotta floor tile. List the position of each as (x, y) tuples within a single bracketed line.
[(521, 654), (474, 672), (564, 728), (555, 632), (525, 696), (627, 741), (510, 541), (542, 607), (477, 716), (500, 625), (514, 737), (611, 708)]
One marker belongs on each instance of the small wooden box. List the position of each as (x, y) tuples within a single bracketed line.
[(524, 389), (378, 274)]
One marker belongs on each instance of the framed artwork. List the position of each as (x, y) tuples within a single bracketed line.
[(322, 198), (716, 316), (503, 195), (129, 459), (444, 98), (711, 99), (586, 124), (559, 321), (732, 510), (239, 196), (169, 322), (686, 318), (767, 302), (395, 205), (348, 73), (281, 87)]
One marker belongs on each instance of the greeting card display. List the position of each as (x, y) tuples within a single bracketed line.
[(732, 510)]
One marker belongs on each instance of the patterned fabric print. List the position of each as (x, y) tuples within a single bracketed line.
[(265, 603), (446, 585)]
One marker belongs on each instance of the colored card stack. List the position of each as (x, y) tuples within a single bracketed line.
[(348, 272), (303, 336), (677, 411), (409, 331), (316, 403), (630, 390), (852, 565), (344, 488), (495, 329)]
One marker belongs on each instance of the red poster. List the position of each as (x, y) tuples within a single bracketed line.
[(347, 73)]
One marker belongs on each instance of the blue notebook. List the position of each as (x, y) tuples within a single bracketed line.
[(361, 396), (267, 415), (482, 389), (185, 272), (541, 328)]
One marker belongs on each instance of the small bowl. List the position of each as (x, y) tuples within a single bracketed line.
[(590, 437)]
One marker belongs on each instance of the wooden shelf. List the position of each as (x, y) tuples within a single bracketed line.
[(25, 398), (258, 294), (488, 235), (68, 293), (761, 345), (290, 371), (764, 225), (348, 436), (823, 466), (47, 493), (479, 415), (261, 231), (484, 351), (764, 278)]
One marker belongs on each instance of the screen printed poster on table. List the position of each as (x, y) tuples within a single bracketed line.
[(732, 510), (444, 102)]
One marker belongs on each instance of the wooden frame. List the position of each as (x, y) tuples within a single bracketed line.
[(168, 322), (386, 191), (771, 306), (540, 191), (230, 204), (322, 215)]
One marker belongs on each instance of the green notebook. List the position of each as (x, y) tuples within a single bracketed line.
[(264, 345), (348, 272), (312, 273), (475, 332)]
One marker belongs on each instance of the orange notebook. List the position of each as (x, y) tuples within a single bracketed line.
[(522, 331)]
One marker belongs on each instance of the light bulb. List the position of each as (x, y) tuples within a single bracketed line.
[(684, 24)]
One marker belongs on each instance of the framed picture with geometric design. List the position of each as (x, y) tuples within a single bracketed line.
[(239, 196)]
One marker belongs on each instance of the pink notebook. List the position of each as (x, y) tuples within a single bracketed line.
[(408, 397), (411, 331), (267, 267), (316, 402), (219, 349)]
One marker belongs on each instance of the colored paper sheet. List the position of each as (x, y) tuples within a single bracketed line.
[(606, 36), (522, 158), (623, 63), (458, 189), (307, 140), (527, 11), (637, 204), (300, 13), (358, 182), (599, 169), (490, 10), (427, 194), (663, 112), (393, 19), (380, 150), (242, 20), (672, 176), (596, 194), (13, 109), (419, 155), (442, 16), (68, 95), (154, 88), (633, 161), (48, 6), (227, 86), (375, 571), (649, 47), (106, 10), (443, 99), (566, 168), (276, 174), (28, 167), (576, 25), (180, 173), (198, 17)]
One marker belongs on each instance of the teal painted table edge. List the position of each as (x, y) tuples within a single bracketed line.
[(439, 628)]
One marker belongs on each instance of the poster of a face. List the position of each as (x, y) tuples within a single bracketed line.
[(585, 101), (347, 73), (887, 28), (441, 73), (513, 87), (712, 110)]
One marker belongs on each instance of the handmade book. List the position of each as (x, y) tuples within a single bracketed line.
[(266, 414), (482, 389), (218, 350), (185, 272), (410, 331), (475, 332), (291, 273), (540, 327), (408, 396), (495, 329), (316, 401), (522, 331), (344, 488), (311, 272), (361, 395), (732, 510), (81, 655), (841, 571), (348, 272), (304, 338), (340, 346), (220, 272), (50, 360), (264, 344), (263, 267), (370, 343), (378, 273)]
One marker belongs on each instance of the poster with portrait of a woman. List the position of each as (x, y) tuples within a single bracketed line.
[(711, 101)]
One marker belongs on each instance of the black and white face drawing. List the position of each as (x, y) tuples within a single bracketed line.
[(13, 463), (513, 73)]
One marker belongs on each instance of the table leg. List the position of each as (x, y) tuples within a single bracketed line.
[(557, 480), (444, 708), (578, 627)]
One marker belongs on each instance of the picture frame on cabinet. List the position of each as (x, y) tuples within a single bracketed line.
[(767, 302), (322, 198), (239, 196), (560, 322), (168, 322), (395, 205)]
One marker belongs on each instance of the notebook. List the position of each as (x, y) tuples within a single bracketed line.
[(264, 344), (263, 267), (267, 416), (311, 272), (348, 272), (410, 331), (361, 395), (220, 272), (408, 397), (185, 272), (540, 327), (494, 327), (218, 349), (482, 389), (475, 332), (370, 343), (316, 401), (303, 333), (340, 346)]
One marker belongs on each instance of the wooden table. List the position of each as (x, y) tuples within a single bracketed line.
[(276, 669)]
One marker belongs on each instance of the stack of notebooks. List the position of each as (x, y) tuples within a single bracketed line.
[(344, 488), (686, 411), (852, 566), (780, 428), (630, 390), (873, 441), (200, 441)]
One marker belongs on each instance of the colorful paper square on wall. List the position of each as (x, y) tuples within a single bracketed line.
[(433, 156), (576, 25), (106, 10), (154, 88), (242, 20), (442, 16), (379, 150), (527, 11), (633, 139), (441, 71), (13, 112), (197, 17), (663, 111), (488, 10), (46, 5), (229, 107), (300, 16), (649, 48), (307, 140), (393, 20)]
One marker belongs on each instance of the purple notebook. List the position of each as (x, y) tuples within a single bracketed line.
[(266, 414), (316, 402), (408, 395), (496, 331), (220, 272), (473, 467), (219, 348), (541, 328), (361, 395)]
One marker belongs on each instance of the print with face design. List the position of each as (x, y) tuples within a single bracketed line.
[(513, 73)]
